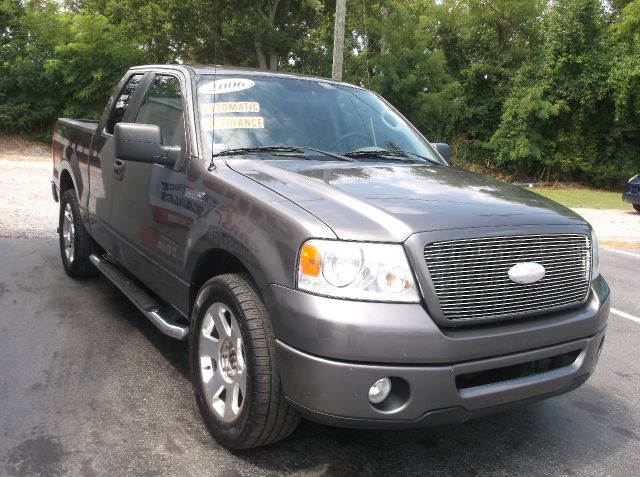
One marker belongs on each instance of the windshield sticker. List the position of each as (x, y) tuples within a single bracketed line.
[(231, 107), (255, 122), (227, 85)]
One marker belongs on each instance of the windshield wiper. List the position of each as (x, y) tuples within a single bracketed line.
[(279, 149), (386, 153), (383, 153), (244, 150), (424, 158)]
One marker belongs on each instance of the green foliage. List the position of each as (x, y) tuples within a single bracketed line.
[(624, 78), (239, 32), (559, 118), (532, 89), (398, 57), (92, 61), (485, 44), (27, 93), (58, 63)]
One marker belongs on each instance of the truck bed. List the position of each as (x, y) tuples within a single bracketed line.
[(88, 125), (71, 149)]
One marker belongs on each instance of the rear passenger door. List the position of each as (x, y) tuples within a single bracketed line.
[(147, 207)]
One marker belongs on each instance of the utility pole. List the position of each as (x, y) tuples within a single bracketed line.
[(338, 40)]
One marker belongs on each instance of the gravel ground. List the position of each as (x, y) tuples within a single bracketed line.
[(615, 228), (19, 148), (28, 210)]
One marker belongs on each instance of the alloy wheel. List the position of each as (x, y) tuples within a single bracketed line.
[(68, 233), (223, 368)]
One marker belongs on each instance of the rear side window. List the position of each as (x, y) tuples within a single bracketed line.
[(162, 106), (122, 103)]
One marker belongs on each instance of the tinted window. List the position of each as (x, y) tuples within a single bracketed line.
[(122, 103), (262, 111), (162, 106)]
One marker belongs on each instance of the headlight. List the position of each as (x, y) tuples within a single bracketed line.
[(361, 271), (595, 256)]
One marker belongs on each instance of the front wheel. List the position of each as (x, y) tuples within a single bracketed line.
[(232, 359), (637, 207)]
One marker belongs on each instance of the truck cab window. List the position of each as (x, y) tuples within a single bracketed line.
[(162, 106), (122, 103)]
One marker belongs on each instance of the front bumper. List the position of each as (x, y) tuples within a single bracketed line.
[(331, 351), (335, 393), (402, 333)]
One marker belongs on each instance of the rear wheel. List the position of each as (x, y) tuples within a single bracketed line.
[(76, 245), (232, 358), (637, 207)]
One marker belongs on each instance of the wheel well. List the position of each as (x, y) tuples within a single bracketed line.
[(66, 182), (214, 263)]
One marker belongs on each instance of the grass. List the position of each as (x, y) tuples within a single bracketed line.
[(583, 198)]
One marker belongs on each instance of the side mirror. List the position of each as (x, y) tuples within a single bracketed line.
[(443, 149), (143, 143)]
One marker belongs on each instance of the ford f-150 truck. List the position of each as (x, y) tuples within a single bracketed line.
[(321, 257)]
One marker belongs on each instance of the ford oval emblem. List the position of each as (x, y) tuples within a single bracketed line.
[(526, 272)]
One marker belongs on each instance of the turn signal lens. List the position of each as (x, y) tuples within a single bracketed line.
[(310, 260)]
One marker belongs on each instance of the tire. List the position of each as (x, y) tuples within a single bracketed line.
[(76, 245), (237, 388), (637, 207)]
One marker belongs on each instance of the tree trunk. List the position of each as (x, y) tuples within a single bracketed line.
[(273, 60), (272, 7), (271, 10), (262, 59), (383, 39)]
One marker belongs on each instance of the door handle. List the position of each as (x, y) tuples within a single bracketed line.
[(118, 169)]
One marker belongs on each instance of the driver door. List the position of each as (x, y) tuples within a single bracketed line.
[(148, 198)]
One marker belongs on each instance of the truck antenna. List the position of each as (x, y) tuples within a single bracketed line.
[(212, 165)]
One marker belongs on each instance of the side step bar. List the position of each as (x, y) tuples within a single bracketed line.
[(164, 318)]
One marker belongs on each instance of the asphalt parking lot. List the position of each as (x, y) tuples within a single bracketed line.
[(89, 387)]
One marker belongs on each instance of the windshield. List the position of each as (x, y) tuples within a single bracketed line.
[(256, 111)]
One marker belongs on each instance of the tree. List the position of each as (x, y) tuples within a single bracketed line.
[(393, 50), (91, 62), (29, 96), (59, 63), (485, 43), (528, 88), (557, 119), (624, 82), (239, 32)]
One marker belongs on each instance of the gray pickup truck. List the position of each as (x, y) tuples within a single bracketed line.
[(321, 257)]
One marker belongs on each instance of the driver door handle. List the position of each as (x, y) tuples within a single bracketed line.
[(118, 169)]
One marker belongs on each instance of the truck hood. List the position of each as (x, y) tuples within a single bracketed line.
[(390, 202)]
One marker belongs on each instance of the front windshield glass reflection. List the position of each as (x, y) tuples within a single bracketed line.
[(256, 111)]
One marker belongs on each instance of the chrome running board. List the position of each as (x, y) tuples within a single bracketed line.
[(163, 317)]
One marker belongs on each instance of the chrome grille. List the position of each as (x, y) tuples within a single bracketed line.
[(471, 276)]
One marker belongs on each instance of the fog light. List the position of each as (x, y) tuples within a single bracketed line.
[(379, 391)]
